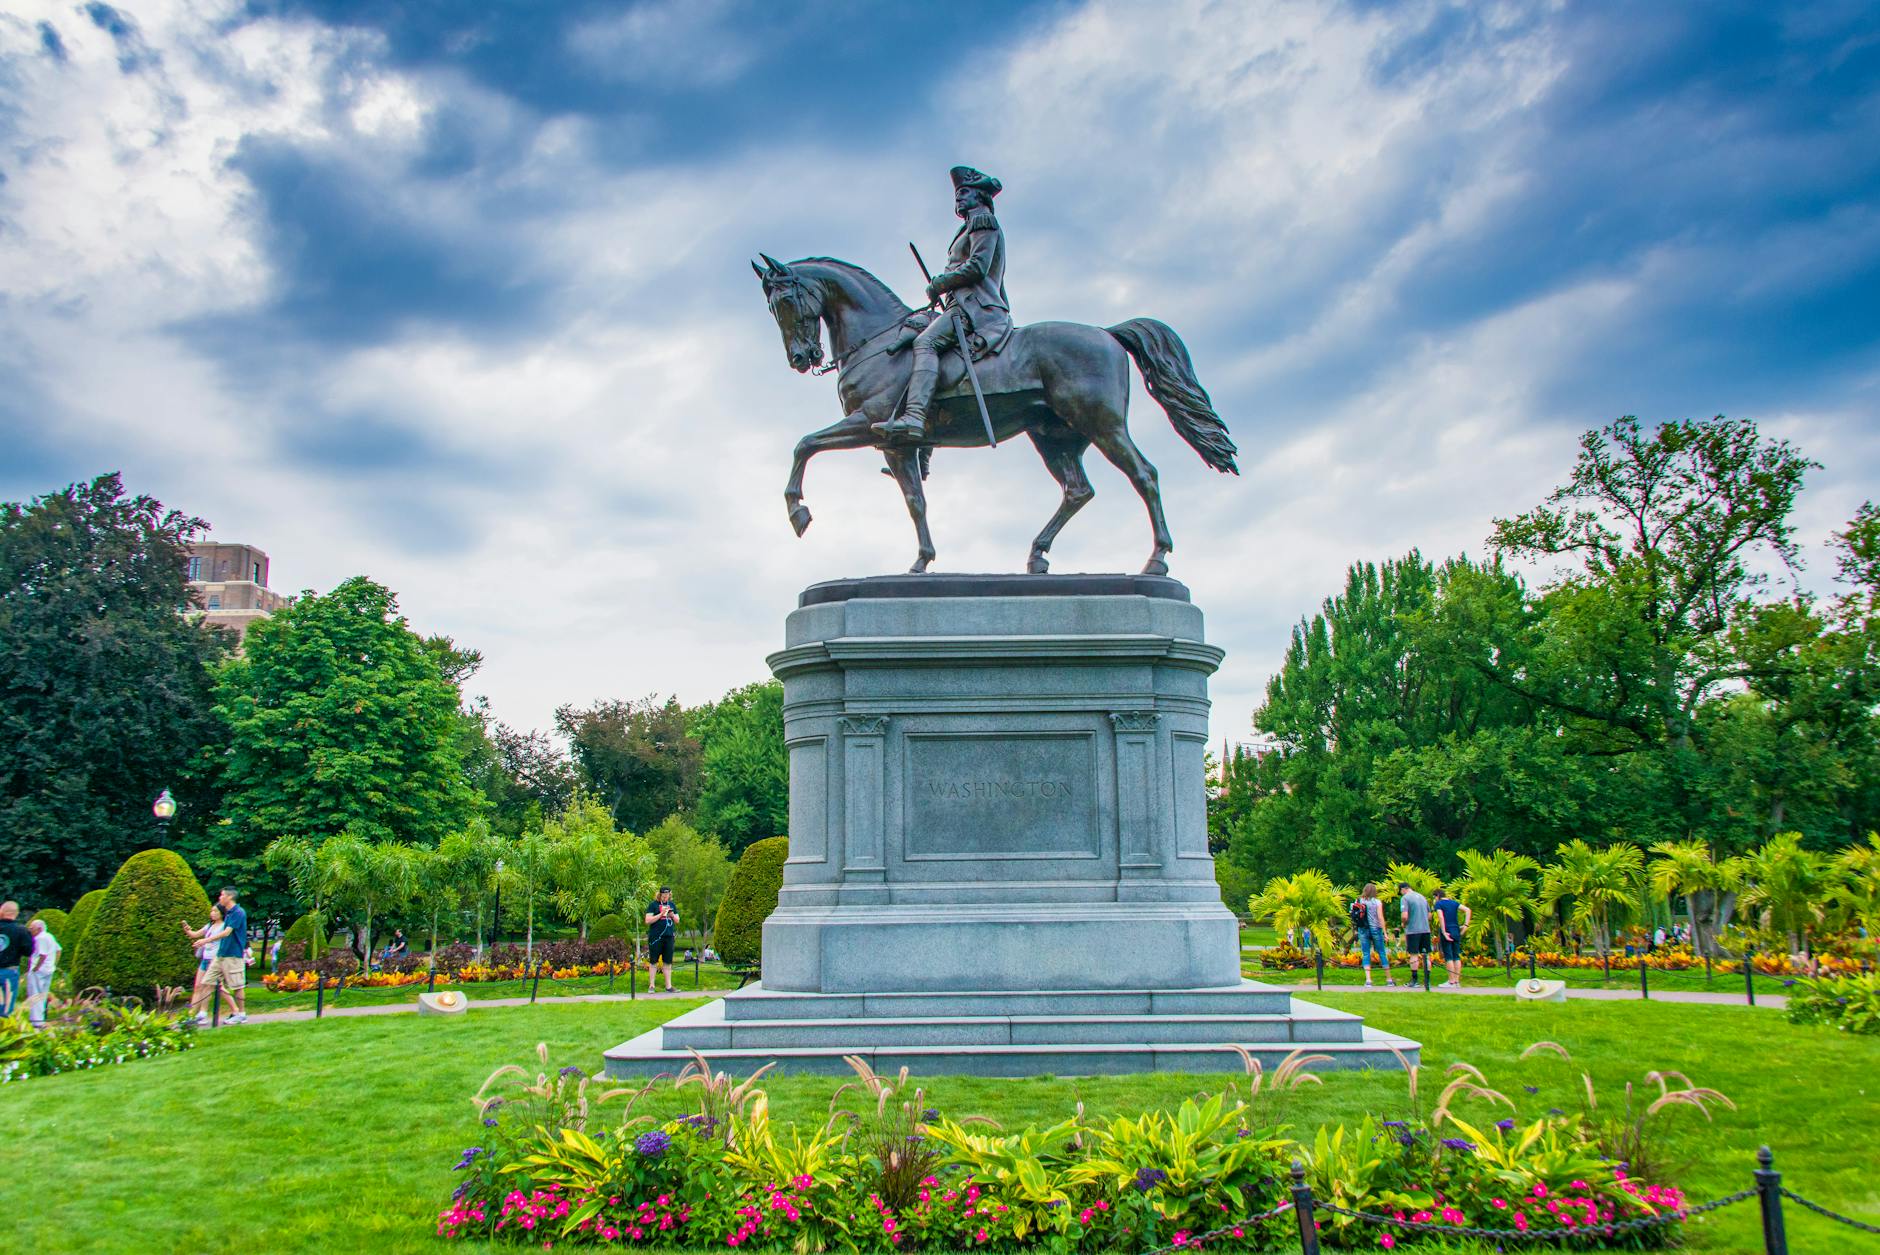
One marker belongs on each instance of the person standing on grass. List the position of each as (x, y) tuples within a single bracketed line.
[(229, 969), (45, 962), (1452, 917), (1415, 915), (662, 931), (16, 946), (1367, 923)]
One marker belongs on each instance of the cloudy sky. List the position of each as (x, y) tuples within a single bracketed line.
[(456, 295)]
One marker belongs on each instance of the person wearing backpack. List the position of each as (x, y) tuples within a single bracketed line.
[(1367, 925)]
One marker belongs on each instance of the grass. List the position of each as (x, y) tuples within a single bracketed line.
[(340, 1135), (1493, 978)]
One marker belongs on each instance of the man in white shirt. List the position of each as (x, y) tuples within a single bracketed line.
[(44, 963)]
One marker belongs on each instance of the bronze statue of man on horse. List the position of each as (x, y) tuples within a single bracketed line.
[(1065, 385)]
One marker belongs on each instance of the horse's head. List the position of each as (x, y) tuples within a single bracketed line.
[(797, 307)]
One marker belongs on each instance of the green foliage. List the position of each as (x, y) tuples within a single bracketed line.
[(1422, 879), (341, 722), (612, 925), (1305, 900), (695, 865), (638, 757), (1786, 885), (366, 878), (1601, 887), (1848, 1003), (744, 792), (135, 943), (80, 920), (306, 931), (1210, 1160), (1690, 869), (593, 866), (105, 696), (55, 921), (1238, 885), (1495, 887), (738, 934)]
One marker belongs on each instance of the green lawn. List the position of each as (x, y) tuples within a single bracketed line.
[(1494, 978), (340, 1135)]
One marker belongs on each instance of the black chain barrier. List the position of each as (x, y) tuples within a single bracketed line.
[(1616, 1228), (1819, 1210)]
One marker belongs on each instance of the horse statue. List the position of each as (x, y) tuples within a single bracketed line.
[(1064, 384)]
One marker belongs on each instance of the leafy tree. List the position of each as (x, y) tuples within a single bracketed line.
[(1238, 885), (312, 879), (341, 722), (368, 879), (738, 932), (526, 870), (1787, 885), (105, 693), (435, 887), (594, 866), (1708, 886), (744, 789), (638, 757), (1857, 896), (135, 943), (472, 855), (694, 864), (1600, 887), (524, 776), (1307, 901), (1494, 885)]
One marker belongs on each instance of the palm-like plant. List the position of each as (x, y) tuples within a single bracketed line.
[(1786, 885), (1707, 885), (367, 877), (1422, 879), (1601, 885), (525, 871), (592, 865), (472, 855), (1857, 897), (1308, 900), (1494, 885), (307, 876), (436, 887)]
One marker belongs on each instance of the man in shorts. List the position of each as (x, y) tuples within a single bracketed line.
[(662, 930), (1415, 914), (229, 968), (1452, 917)]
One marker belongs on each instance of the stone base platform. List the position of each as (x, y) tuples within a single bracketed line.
[(1057, 1033)]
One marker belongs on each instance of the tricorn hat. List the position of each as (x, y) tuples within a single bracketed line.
[(966, 176)]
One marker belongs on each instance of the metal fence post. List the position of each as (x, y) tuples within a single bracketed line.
[(633, 971), (1749, 974), (319, 998), (1644, 988), (1769, 1190), (1303, 1207), (1707, 971), (215, 1002), (695, 962), (1530, 964), (535, 984), (430, 983), (1318, 963), (1605, 964)]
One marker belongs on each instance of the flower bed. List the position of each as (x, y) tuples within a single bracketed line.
[(551, 1168), (1848, 1003), (1285, 957), (457, 964), (85, 1034), (302, 980)]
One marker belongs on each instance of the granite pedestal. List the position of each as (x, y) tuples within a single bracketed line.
[(998, 845)]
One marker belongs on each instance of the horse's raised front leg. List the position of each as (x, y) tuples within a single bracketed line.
[(904, 465), (1063, 457), (851, 433)]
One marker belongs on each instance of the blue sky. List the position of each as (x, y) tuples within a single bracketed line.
[(456, 295)]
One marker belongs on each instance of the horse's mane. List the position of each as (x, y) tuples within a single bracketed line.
[(866, 277)]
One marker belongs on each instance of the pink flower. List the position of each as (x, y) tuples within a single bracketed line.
[(1387, 1241)]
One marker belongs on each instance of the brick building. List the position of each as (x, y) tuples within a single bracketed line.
[(233, 582)]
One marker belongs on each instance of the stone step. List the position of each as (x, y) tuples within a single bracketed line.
[(755, 1002), (707, 1029), (647, 1055)]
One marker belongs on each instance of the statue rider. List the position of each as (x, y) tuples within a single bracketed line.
[(974, 283)]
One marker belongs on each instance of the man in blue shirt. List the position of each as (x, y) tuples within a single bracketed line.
[(1452, 920), (229, 969), (662, 927)]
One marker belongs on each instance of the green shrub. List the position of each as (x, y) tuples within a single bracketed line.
[(607, 927), (1849, 1003), (55, 921), (749, 899), (76, 924), (135, 941), (305, 932)]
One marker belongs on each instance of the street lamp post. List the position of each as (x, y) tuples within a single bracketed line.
[(164, 808), (496, 918)]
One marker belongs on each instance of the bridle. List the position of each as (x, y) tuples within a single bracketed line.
[(809, 305)]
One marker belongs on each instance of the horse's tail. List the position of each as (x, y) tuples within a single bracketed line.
[(1169, 376)]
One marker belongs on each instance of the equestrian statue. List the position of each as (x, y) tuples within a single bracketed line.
[(958, 374)]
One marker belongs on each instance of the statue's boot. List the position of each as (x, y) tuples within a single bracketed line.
[(910, 425)]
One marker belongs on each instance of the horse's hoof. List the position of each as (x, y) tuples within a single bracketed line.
[(799, 518), (919, 568), (1155, 566), (1039, 565)]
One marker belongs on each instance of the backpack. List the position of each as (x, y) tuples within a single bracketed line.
[(1358, 915)]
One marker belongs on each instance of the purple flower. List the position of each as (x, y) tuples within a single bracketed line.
[(652, 1144), (1532, 1089), (573, 1070), (1396, 1124), (931, 1113), (489, 1124), (1505, 1125), (1148, 1178), (1457, 1143), (1555, 1111), (469, 1157)]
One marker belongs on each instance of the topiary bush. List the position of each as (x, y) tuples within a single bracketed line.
[(55, 921), (76, 923), (135, 941), (608, 927), (307, 934), (749, 899)]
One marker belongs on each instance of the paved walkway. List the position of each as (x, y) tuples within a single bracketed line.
[(1710, 997), (395, 1008)]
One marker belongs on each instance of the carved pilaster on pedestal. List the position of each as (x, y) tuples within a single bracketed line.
[(864, 768), (863, 725), (1134, 720), (1138, 790)]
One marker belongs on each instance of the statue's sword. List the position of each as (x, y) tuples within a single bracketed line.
[(966, 349)]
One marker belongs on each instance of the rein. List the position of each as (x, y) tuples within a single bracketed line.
[(849, 358)]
